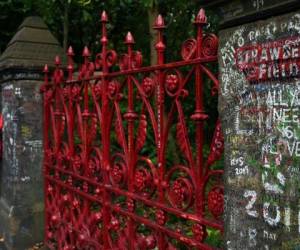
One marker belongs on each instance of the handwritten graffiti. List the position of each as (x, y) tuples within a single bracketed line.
[(260, 70)]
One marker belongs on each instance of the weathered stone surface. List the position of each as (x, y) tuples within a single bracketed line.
[(233, 12), (21, 202), (260, 108), (21, 183)]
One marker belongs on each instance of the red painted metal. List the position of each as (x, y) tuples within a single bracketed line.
[(111, 181)]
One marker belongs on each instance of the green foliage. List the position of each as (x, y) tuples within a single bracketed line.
[(149, 3), (12, 14), (124, 15), (214, 238)]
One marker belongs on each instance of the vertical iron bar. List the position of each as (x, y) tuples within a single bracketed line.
[(105, 134), (160, 48), (70, 108), (57, 111), (46, 149), (130, 116), (199, 117), (85, 114)]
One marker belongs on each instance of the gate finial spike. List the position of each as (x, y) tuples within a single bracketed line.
[(104, 17), (201, 17), (70, 51), (86, 52), (159, 22), (129, 38), (57, 61), (46, 69)]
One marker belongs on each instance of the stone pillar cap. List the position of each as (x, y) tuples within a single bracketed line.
[(32, 47)]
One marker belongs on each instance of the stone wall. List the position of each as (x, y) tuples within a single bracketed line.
[(260, 111), (21, 179), (21, 203)]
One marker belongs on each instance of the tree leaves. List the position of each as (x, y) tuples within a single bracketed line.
[(149, 3)]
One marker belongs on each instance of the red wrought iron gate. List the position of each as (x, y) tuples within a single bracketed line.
[(111, 181)]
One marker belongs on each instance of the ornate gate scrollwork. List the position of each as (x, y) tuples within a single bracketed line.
[(111, 178)]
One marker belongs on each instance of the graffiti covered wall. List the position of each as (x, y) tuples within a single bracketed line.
[(259, 106), (21, 202)]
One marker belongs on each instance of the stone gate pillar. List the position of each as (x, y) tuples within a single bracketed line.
[(259, 104), (21, 185)]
